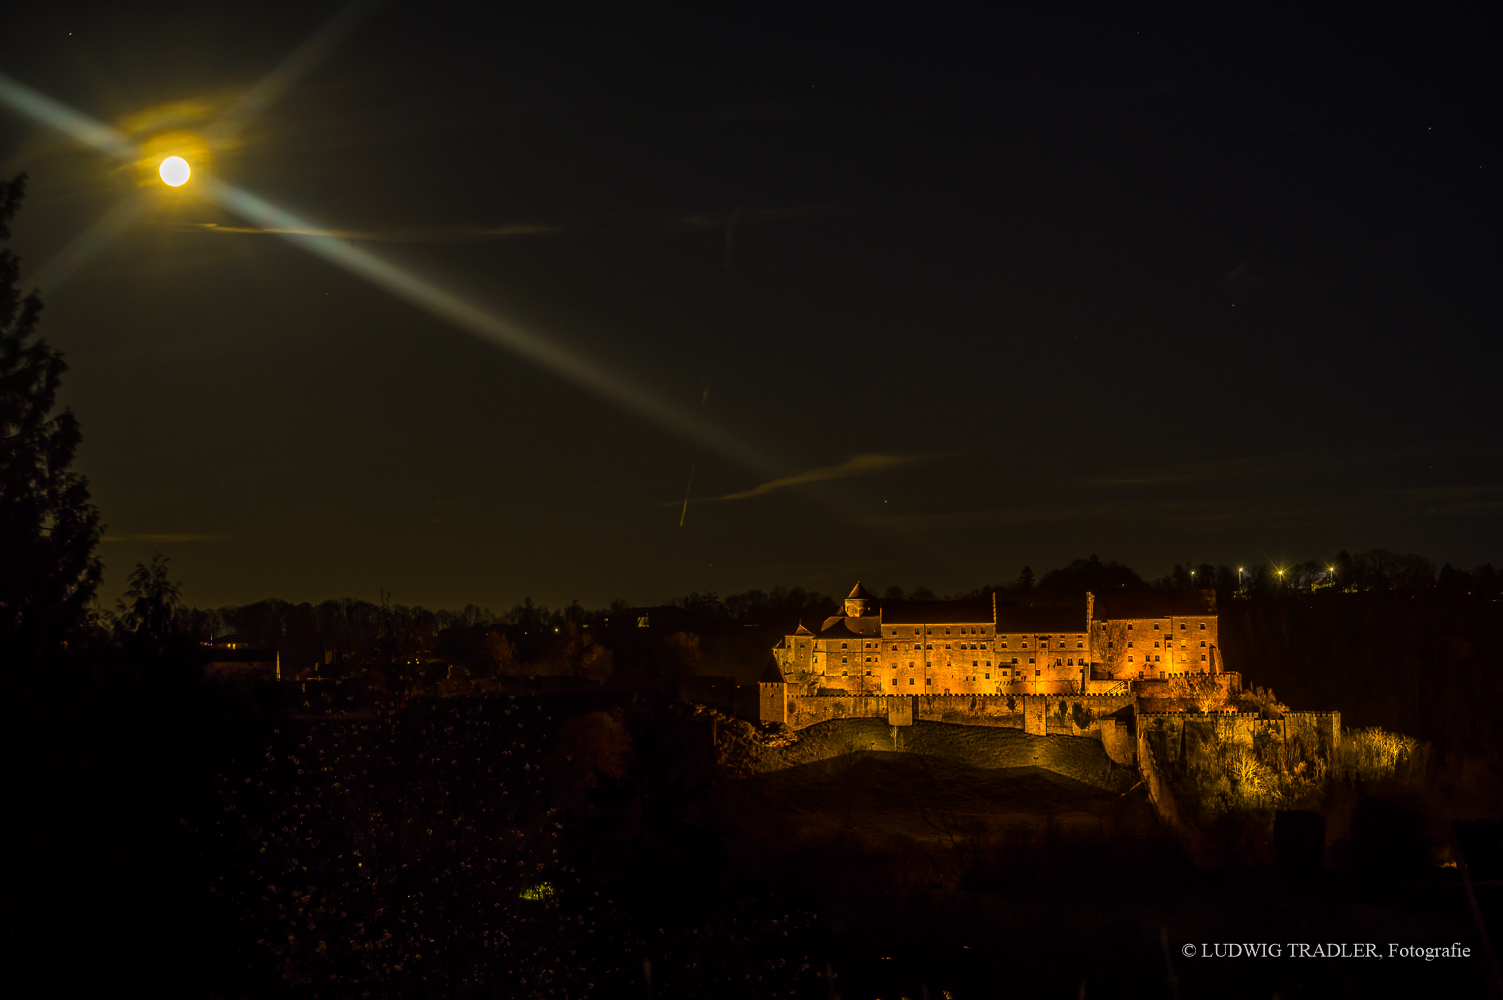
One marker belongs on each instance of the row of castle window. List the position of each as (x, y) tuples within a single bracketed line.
[(1159, 627), (1079, 644)]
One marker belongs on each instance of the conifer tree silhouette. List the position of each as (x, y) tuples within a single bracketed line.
[(48, 527)]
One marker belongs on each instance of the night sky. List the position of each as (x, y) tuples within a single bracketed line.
[(961, 289)]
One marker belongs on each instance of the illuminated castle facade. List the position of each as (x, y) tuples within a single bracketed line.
[(989, 647)]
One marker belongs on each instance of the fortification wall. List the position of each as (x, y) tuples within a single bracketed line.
[(1318, 732), (1107, 718), (1191, 737), (806, 710), (1177, 738)]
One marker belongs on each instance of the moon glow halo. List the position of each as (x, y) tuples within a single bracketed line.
[(174, 171)]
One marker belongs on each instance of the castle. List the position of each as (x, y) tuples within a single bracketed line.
[(1098, 646)]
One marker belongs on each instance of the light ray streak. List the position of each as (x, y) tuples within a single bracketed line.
[(504, 333), (304, 59), (87, 245), (63, 118), (424, 294), (687, 487)]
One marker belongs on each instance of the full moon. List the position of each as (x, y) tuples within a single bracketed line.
[(174, 171)]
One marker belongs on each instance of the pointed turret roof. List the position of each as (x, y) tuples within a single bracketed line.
[(802, 630), (859, 592), (772, 675)]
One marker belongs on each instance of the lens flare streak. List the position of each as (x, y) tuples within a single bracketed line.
[(299, 64), (422, 293), (87, 245), (63, 118), (503, 333)]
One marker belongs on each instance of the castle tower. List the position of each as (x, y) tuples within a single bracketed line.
[(860, 602)]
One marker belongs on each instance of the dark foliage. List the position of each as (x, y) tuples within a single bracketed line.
[(48, 527), (1082, 575), (1417, 662)]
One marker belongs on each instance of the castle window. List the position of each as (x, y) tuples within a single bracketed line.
[(1155, 645), (1080, 645), (1129, 628), (1129, 659), (1015, 659), (1070, 662), (910, 680), (843, 673), (1202, 626), (1155, 627), (1202, 642), (928, 680), (975, 663), (1181, 626), (894, 682), (1202, 656), (988, 676), (842, 645), (1129, 645)]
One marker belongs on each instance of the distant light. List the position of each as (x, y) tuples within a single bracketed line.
[(175, 171)]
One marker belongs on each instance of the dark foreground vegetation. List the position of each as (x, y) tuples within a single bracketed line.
[(370, 826)]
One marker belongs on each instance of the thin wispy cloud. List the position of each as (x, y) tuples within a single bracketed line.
[(861, 465), (392, 234)]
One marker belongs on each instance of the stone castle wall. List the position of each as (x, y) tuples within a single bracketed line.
[(1114, 720), (1189, 736), (1107, 718)]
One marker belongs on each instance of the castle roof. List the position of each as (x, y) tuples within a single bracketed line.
[(1153, 604), (935, 612), (859, 592), (836, 628), (771, 674), (802, 630), (1047, 619)]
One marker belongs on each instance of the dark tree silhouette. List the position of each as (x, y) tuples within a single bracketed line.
[(150, 607), (1082, 575), (48, 527)]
